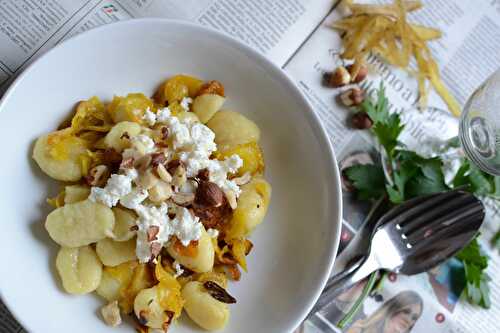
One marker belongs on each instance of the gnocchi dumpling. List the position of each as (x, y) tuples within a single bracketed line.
[(129, 108), (176, 88), (113, 253), (80, 223), (250, 153), (118, 137), (202, 261), (148, 310), (205, 106), (202, 308), (75, 193), (109, 287), (59, 153), (252, 207), (115, 280), (79, 268), (233, 128), (124, 221)]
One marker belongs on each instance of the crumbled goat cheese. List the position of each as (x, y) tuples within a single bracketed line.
[(185, 103), (213, 233), (163, 115), (178, 269), (134, 198), (116, 187), (186, 226), (149, 117), (98, 194), (151, 216), (179, 132), (143, 143)]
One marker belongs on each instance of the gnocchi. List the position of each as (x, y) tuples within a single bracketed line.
[(202, 308), (109, 287), (202, 260), (113, 253), (79, 268), (252, 207), (158, 199), (75, 193), (148, 310), (115, 281), (80, 223), (205, 106), (233, 128), (119, 136), (124, 221), (58, 155)]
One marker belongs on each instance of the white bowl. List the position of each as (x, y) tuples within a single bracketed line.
[(294, 247)]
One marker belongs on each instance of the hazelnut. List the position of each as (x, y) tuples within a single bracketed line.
[(361, 120), (127, 163), (155, 249), (162, 172), (362, 73), (143, 163), (179, 178), (147, 180), (164, 133), (111, 314), (160, 192), (231, 199), (203, 174), (352, 97), (183, 199), (173, 165), (209, 194), (97, 176), (243, 179), (157, 159), (153, 232), (339, 77)]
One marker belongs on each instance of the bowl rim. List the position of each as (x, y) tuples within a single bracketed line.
[(314, 121)]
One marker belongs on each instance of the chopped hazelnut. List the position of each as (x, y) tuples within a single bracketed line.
[(162, 172), (179, 178), (111, 314), (160, 192), (183, 199), (97, 176), (243, 179)]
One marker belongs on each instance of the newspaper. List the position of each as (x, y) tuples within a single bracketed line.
[(468, 53), (294, 35), (28, 28)]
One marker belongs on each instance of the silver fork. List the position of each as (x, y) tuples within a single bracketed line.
[(413, 237)]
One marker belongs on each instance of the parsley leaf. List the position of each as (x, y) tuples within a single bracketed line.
[(415, 176), (475, 263), (368, 180), (386, 127), (478, 181)]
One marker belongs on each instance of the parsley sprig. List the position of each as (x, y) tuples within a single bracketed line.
[(413, 175)]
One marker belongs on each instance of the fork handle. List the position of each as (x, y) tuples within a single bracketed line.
[(345, 279)]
